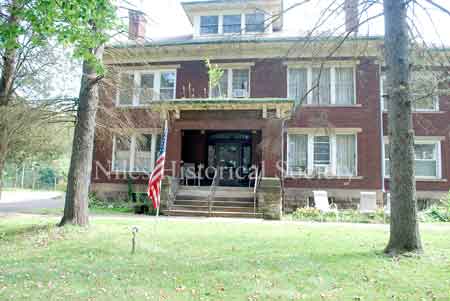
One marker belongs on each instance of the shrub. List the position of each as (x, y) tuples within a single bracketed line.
[(306, 214)]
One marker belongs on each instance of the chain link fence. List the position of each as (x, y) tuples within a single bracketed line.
[(33, 176)]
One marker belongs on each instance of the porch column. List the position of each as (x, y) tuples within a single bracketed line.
[(173, 151), (269, 198), (271, 148)]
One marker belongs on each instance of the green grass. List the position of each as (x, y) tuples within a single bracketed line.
[(215, 260)]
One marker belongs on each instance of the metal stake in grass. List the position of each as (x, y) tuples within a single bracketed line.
[(134, 230)]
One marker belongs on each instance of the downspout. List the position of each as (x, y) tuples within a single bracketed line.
[(381, 99)]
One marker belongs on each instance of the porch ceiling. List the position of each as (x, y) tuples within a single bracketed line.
[(282, 106)]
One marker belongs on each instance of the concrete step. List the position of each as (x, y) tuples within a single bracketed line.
[(214, 208), (218, 203), (213, 214)]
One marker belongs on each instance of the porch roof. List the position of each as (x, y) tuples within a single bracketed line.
[(282, 105)]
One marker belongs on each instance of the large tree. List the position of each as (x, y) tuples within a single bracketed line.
[(27, 25), (404, 226)]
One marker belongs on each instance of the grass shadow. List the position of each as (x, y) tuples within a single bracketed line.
[(7, 233)]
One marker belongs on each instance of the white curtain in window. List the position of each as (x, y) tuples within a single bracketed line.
[(240, 80), (322, 86), (426, 162), (142, 153), (298, 84), (222, 88), (122, 153), (297, 154), (346, 155), (126, 89), (344, 86)]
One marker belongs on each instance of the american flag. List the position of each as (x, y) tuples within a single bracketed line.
[(154, 183)]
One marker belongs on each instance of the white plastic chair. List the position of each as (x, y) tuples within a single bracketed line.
[(321, 203), (368, 202)]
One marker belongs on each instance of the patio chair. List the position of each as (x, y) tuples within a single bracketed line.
[(368, 202), (188, 172), (321, 203)]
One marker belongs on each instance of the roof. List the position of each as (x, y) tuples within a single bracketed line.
[(189, 40)]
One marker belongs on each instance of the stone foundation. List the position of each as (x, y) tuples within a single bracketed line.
[(269, 198)]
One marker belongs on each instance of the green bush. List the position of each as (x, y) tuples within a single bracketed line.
[(348, 216), (306, 214), (439, 212), (140, 206)]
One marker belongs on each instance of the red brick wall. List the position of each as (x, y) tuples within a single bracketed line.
[(432, 124), (365, 116), (268, 79)]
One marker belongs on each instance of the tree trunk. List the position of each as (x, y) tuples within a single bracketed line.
[(79, 178), (404, 227), (3, 153), (6, 87)]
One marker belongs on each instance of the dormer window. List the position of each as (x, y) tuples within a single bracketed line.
[(232, 23), (209, 24), (254, 22)]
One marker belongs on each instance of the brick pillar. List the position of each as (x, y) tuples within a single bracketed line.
[(169, 186), (271, 147), (269, 198)]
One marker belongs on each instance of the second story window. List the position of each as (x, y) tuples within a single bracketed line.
[(231, 23), (321, 93), (143, 87), (322, 86), (209, 24), (240, 82), (234, 83), (424, 89), (254, 22)]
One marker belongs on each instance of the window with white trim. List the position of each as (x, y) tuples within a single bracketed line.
[(321, 154), (232, 23), (254, 22), (322, 86), (427, 159), (234, 83), (209, 24), (136, 153), (143, 87), (424, 86)]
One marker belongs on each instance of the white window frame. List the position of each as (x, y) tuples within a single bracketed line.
[(133, 152), (230, 80), (309, 97), (333, 154), (197, 22), (423, 140), (415, 110), (137, 85)]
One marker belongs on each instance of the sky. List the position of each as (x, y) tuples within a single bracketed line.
[(167, 19)]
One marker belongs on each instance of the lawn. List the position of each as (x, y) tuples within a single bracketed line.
[(180, 259)]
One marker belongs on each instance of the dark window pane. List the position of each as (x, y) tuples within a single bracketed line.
[(232, 24), (209, 24), (254, 22)]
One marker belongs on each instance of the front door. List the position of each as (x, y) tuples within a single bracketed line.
[(228, 160)]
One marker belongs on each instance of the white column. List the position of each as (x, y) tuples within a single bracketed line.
[(152, 151), (333, 157), (310, 153), (333, 85)]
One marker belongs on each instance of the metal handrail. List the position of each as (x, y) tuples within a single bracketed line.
[(255, 189), (212, 191)]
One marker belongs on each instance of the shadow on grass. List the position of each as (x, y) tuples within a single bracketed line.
[(9, 233)]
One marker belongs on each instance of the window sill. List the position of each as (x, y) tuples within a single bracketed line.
[(422, 112), (438, 180), (292, 177), (310, 105)]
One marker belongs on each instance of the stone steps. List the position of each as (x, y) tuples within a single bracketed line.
[(172, 212), (228, 202)]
